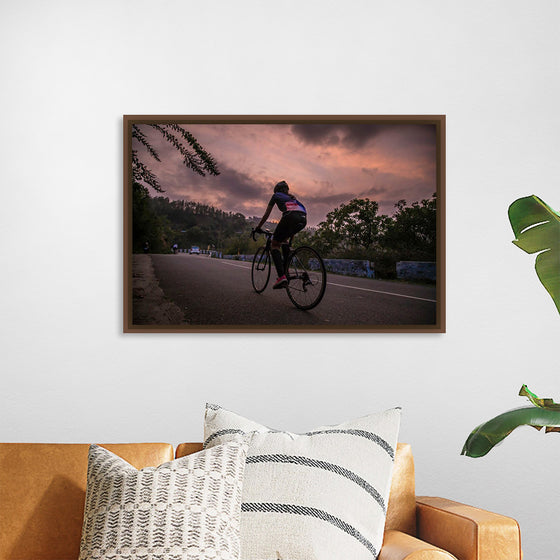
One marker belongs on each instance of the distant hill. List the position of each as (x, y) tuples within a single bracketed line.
[(162, 222)]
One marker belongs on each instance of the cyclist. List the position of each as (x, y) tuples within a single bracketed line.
[(294, 219)]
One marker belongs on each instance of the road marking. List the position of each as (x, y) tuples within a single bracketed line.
[(238, 265), (247, 267), (380, 292)]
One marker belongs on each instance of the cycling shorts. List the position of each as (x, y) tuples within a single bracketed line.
[(289, 224)]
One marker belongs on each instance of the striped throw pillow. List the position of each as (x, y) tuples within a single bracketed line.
[(320, 495), (187, 509)]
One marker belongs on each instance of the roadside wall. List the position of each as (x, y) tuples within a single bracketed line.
[(406, 270), (416, 270), (350, 267)]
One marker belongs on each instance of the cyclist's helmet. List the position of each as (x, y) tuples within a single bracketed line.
[(282, 186)]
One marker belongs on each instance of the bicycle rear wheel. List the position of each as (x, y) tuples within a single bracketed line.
[(307, 278), (260, 271)]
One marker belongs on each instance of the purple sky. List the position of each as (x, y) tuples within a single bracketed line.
[(325, 165)]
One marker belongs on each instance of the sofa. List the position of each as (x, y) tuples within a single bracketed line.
[(42, 493)]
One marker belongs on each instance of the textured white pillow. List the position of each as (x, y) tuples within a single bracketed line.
[(321, 495), (187, 509)]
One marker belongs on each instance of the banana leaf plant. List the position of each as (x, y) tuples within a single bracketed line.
[(536, 227), (537, 230), (543, 413)]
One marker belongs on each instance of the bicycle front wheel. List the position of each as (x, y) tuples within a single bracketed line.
[(307, 278), (260, 272)]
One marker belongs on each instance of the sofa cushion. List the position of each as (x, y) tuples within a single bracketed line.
[(42, 493), (401, 509), (186, 509), (322, 494)]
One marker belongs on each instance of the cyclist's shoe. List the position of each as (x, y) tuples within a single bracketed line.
[(282, 282)]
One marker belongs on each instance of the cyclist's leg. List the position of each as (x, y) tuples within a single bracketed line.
[(288, 226), (277, 258), (286, 250), (280, 236), (297, 222)]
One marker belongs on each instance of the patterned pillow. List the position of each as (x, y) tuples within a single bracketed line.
[(313, 496), (187, 509)]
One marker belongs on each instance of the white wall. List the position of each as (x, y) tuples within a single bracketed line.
[(71, 70)]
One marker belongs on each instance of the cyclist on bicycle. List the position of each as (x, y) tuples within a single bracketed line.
[(294, 219)]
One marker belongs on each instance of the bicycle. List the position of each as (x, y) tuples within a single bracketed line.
[(305, 272)]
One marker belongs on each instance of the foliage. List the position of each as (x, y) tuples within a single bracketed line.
[(357, 231), (353, 224), (412, 231), (537, 229), (541, 413), (163, 222), (147, 225), (195, 157), (305, 237), (353, 231)]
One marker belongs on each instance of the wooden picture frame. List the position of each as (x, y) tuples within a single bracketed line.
[(374, 192)]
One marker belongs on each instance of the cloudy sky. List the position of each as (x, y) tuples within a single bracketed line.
[(326, 165)]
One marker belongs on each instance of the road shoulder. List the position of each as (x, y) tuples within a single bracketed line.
[(149, 304)]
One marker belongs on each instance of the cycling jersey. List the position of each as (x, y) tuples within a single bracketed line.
[(286, 203)]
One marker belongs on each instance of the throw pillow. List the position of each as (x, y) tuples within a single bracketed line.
[(187, 509), (321, 495)]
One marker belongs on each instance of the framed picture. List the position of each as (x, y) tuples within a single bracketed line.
[(284, 224)]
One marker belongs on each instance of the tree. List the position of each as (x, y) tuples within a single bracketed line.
[(355, 224), (147, 224), (195, 157), (412, 232), (306, 237)]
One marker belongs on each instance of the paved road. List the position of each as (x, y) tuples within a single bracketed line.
[(219, 292)]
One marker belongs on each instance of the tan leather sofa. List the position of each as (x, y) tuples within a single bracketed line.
[(42, 492)]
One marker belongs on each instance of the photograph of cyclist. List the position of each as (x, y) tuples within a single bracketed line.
[(285, 223), (294, 219)]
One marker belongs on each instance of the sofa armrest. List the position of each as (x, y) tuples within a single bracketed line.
[(401, 546), (468, 533)]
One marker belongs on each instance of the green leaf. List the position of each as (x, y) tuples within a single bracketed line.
[(544, 413), (487, 435), (541, 403), (536, 227)]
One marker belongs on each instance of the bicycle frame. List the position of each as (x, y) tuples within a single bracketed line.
[(268, 234), (303, 274), (299, 280)]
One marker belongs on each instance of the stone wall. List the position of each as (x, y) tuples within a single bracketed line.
[(350, 267), (406, 270), (416, 270)]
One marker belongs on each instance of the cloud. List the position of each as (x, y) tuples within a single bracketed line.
[(326, 165), (231, 191), (319, 134), (240, 185), (331, 200), (349, 135), (373, 171)]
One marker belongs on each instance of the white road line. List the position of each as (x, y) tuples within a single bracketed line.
[(350, 287), (380, 292), (237, 265)]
